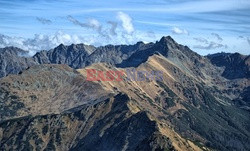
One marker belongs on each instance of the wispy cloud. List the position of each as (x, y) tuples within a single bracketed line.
[(92, 23), (190, 6), (43, 20), (211, 6), (155, 23), (208, 45), (201, 40), (125, 31), (211, 45), (244, 38), (176, 30), (126, 22), (217, 36)]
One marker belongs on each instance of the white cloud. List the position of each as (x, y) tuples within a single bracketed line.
[(45, 42), (178, 31), (208, 45), (94, 23), (113, 32), (126, 22)]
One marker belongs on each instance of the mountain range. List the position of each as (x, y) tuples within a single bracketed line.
[(46, 103)]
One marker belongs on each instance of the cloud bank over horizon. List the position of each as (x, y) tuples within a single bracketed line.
[(120, 32)]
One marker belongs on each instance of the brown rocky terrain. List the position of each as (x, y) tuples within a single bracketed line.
[(46, 89)]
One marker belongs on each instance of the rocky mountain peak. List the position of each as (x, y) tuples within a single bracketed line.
[(165, 40), (167, 43), (61, 46)]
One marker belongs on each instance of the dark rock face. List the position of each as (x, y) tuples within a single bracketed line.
[(12, 61), (73, 55), (236, 65), (243, 101)]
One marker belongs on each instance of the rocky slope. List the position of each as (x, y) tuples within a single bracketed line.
[(196, 110), (107, 125), (60, 116), (45, 89), (196, 106)]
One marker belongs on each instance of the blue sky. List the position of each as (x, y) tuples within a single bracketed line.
[(206, 26)]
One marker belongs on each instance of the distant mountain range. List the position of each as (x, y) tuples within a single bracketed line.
[(46, 103), (77, 56)]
